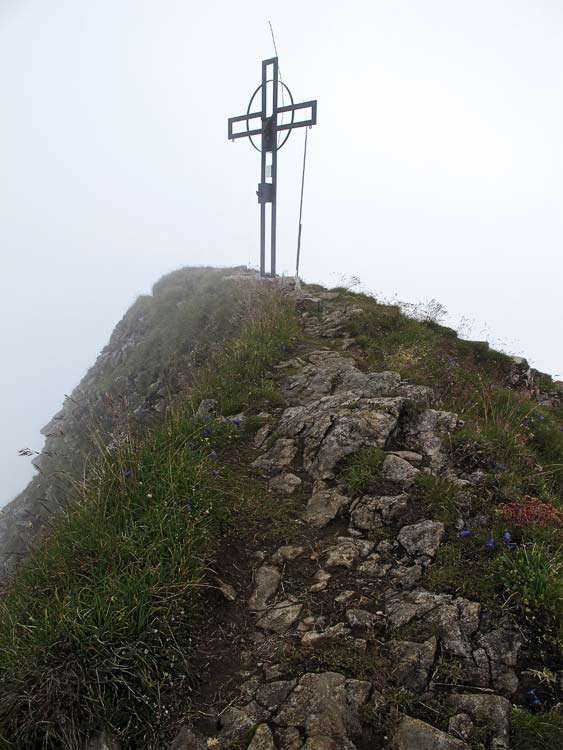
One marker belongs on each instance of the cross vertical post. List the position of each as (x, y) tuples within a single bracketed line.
[(268, 131)]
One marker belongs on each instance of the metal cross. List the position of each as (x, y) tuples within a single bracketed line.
[(268, 131)]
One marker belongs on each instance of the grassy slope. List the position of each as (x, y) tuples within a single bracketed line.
[(96, 629), (518, 445)]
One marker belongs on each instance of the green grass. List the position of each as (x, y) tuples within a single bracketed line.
[(438, 496), (532, 574), (362, 470), (542, 731), (96, 630)]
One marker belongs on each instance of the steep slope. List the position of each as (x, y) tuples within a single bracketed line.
[(365, 552), (150, 358)]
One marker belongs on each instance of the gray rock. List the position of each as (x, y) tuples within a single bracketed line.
[(412, 662), (279, 457), (345, 596), (186, 739), (273, 694), (454, 620), (323, 506), (361, 618), (206, 409), (234, 723), (280, 617), (289, 738), (285, 484), (410, 456), (314, 638), (287, 553), (396, 469), (228, 591), (268, 579), (103, 742), (406, 576), (502, 645), (347, 552), (261, 436), (326, 708), (413, 734), (374, 567), (339, 425), (504, 678), (461, 726), (427, 432), (372, 512), (491, 711), (263, 739), (422, 538)]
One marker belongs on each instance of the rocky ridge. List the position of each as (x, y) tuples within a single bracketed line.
[(357, 582)]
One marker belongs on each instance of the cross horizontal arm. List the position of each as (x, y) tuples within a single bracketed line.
[(243, 118), (312, 120)]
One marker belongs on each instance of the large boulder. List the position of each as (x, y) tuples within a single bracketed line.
[(413, 734)]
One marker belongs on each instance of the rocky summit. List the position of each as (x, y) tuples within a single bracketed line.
[(373, 613)]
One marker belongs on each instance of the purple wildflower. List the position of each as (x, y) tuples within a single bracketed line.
[(507, 539), (533, 699), (215, 472), (237, 421), (465, 533), (207, 431), (188, 507), (127, 473), (491, 544)]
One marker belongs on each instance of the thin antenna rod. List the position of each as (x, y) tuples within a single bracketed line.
[(301, 207), (273, 38)]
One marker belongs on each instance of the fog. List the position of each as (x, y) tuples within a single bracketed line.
[(435, 170)]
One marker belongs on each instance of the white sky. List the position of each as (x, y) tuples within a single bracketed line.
[(435, 170)]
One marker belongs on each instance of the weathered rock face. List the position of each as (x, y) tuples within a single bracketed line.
[(268, 579), (491, 711), (427, 432), (324, 505), (325, 709), (414, 734), (422, 538), (370, 513), (454, 619), (413, 662)]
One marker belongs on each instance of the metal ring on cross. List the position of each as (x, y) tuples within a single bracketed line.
[(253, 97)]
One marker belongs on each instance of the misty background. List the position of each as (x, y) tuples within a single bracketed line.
[(435, 170)]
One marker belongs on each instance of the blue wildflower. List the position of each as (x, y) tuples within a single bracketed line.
[(491, 544), (533, 699), (188, 507), (507, 539), (237, 421), (465, 533), (207, 431), (127, 473)]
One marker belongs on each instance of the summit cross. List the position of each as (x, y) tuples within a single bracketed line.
[(264, 123)]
